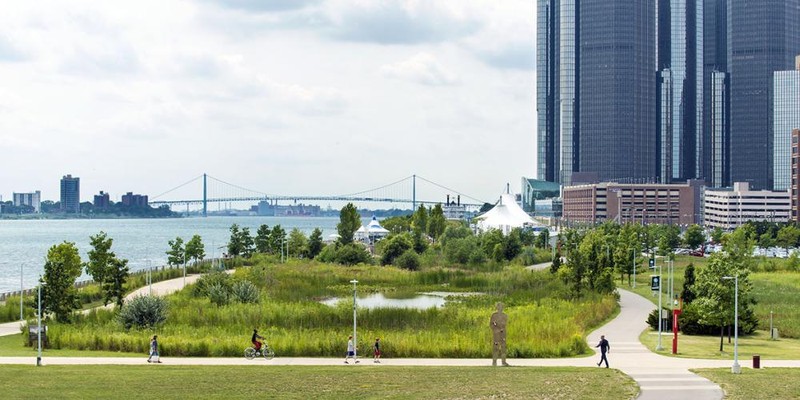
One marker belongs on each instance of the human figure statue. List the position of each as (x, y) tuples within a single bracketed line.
[(498, 324)]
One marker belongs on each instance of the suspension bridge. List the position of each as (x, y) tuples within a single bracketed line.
[(403, 191)]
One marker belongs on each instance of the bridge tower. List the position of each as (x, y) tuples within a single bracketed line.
[(205, 195), (414, 193)]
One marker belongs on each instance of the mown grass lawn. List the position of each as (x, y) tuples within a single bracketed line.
[(708, 346), (305, 382), (769, 383)]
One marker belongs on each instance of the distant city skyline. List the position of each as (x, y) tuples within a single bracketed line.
[(287, 97)]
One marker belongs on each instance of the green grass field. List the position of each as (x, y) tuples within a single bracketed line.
[(708, 346), (13, 346), (350, 382), (771, 383)]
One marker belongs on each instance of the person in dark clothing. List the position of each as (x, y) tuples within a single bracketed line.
[(604, 348), (255, 341)]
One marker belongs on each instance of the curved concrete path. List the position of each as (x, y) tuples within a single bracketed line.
[(659, 377)]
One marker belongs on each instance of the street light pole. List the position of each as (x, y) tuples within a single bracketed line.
[(21, 288), (39, 327), (355, 341), (634, 268), (735, 368), (660, 319), (184, 268)]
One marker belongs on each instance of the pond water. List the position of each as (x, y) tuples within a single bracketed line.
[(378, 300)]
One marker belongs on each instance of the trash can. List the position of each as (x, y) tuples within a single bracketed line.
[(756, 361)]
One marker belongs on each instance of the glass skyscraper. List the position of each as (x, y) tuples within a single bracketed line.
[(786, 117), (596, 92), (680, 110), (715, 94), (762, 38)]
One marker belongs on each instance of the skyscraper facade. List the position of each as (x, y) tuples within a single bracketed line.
[(680, 89), (786, 117), (595, 89), (617, 88), (716, 141), (762, 38), (71, 194)]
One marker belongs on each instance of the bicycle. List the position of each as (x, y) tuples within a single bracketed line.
[(266, 351)]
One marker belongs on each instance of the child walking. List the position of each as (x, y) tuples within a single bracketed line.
[(351, 351), (376, 348)]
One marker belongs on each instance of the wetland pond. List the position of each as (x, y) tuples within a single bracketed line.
[(420, 301)]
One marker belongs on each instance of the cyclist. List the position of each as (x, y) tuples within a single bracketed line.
[(255, 341)]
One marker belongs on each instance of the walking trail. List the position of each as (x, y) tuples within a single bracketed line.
[(659, 377)]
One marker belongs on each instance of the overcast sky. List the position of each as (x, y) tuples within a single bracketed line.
[(282, 96)]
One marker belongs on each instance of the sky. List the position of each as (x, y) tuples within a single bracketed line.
[(281, 96)]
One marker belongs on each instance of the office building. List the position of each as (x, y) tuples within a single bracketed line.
[(716, 142), (134, 200), (71, 194), (102, 200), (33, 199), (680, 90), (633, 203), (729, 208), (596, 90), (786, 117), (762, 38), (541, 198), (794, 191)]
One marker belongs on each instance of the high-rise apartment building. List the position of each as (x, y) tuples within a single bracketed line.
[(786, 117), (596, 92), (33, 199), (71, 194), (680, 90), (762, 38)]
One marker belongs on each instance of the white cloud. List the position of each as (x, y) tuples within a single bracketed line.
[(421, 68)]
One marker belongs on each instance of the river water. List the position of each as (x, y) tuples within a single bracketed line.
[(24, 243)]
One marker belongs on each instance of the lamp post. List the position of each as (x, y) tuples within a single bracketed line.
[(21, 288), (355, 341), (634, 268), (736, 368), (660, 319), (39, 327)]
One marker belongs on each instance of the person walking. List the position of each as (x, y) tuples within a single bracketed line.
[(604, 348), (351, 351), (154, 350), (376, 351)]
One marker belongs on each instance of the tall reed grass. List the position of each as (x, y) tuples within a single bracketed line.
[(542, 322)]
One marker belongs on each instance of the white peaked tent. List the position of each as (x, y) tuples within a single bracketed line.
[(372, 230), (505, 216)]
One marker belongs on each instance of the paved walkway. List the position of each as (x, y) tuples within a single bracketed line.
[(659, 377)]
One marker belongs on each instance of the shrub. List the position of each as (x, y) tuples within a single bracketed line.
[(143, 312), (408, 260), (245, 292), (204, 284), (352, 254), (394, 247), (218, 294)]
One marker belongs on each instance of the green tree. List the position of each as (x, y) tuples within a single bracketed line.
[(262, 239), (100, 257), (543, 239), (277, 240), (176, 254), (739, 244), (436, 222), (248, 244), (315, 243), (419, 222), (694, 237), (235, 245), (394, 246), (114, 283), (195, 249), (61, 268), (512, 244), (715, 296), (349, 222), (556, 265), (788, 236), (716, 235), (298, 243), (687, 294)]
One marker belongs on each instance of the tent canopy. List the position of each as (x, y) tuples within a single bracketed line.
[(505, 216)]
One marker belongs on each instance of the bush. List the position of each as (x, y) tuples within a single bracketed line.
[(245, 292), (394, 247), (218, 294), (204, 284), (408, 260), (352, 254), (144, 312)]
